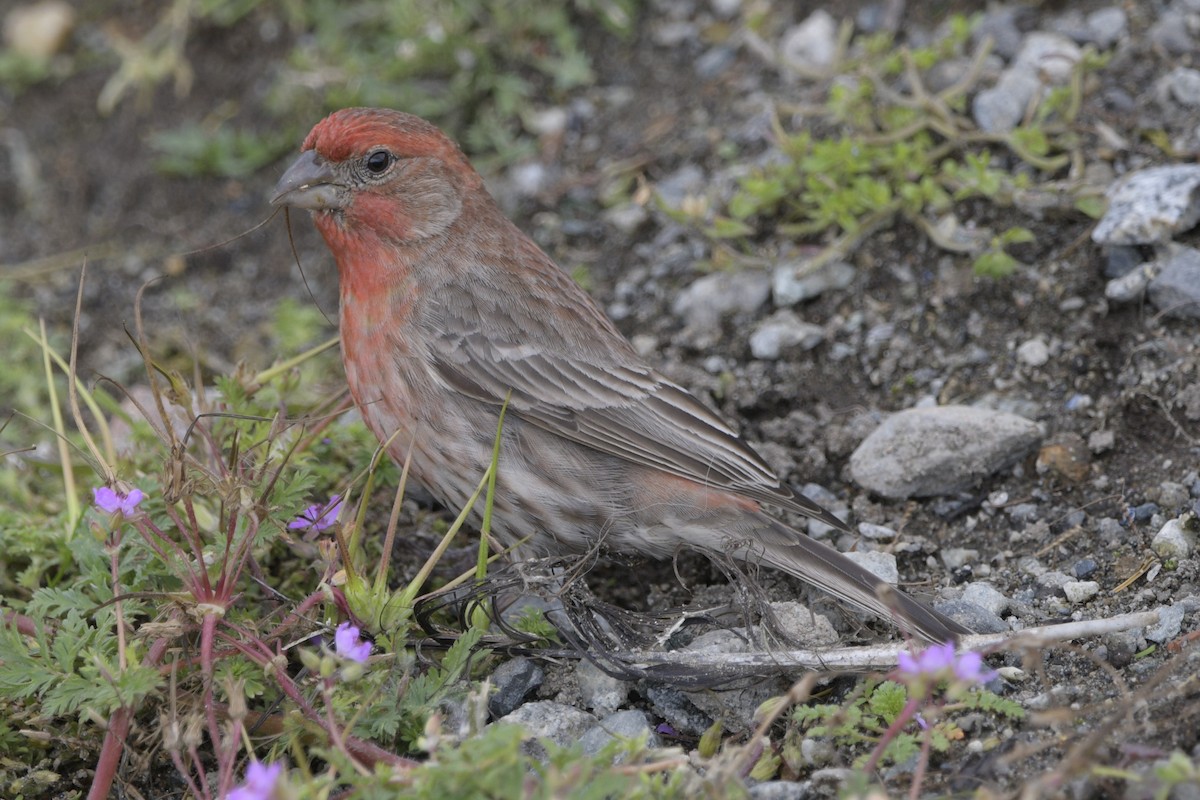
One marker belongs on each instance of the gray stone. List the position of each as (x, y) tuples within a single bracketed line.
[(1170, 623), (513, 680), (977, 618), (1170, 33), (925, 452), (781, 790), (1174, 541), (598, 690), (802, 626), (1080, 591), (788, 289), (677, 709), (708, 299), (986, 596), (1131, 287), (1151, 205), (1034, 353), (629, 725), (878, 563), (782, 331), (958, 557), (557, 722), (1176, 289), (733, 706), (1108, 25), (811, 46), (1183, 83)]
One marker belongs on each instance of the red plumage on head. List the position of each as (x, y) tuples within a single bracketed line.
[(353, 132)]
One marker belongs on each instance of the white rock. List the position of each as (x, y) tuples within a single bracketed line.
[(1151, 205), (781, 331), (1080, 591), (1173, 540), (1034, 353)]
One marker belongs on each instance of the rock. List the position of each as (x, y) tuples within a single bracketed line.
[(1174, 540), (956, 558), (1084, 568), (513, 681), (557, 722), (1108, 25), (677, 709), (1131, 287), (925, 452), (1101, 441), (1034, 352), (881, 533), (1065, 455), (687, 181), (1170, 33), (1051, 56), (1183, 83), (975, 617), (1080, 591), (802, 626), (735, 706), (811, 46), (599, 691), (1170, 623), (630, 725), (39, 30), (1043, 58), (780, 790), (986, 596), (1176, 289), (878, 563), (708, 299), (782, 331), (1121, 259), (787, 289), (1151, 205)]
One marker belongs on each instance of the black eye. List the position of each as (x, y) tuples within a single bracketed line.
[(379, 161)]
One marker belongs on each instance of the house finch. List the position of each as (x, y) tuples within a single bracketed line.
[(448, 309)]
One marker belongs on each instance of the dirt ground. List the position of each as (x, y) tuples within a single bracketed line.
[(96, 194)]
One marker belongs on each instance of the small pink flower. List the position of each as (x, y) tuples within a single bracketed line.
[(939, 663), (348, 644), (111, 501), (319, 517), (259, 784)]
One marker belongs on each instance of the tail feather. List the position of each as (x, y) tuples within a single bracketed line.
[(817, 563)]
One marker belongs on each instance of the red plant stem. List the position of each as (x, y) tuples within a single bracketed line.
[(114, 737), (914, 791), (893, 730), (208, 629)]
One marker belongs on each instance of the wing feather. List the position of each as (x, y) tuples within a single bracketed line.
[(615, 404)]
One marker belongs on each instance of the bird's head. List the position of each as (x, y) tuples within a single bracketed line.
[(378, 173)]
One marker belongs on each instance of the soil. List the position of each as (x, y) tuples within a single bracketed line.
[(98, 193)]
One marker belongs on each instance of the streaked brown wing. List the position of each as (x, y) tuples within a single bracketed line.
[(622, 407)]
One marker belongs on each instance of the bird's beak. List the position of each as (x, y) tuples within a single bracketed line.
[(309, 183)]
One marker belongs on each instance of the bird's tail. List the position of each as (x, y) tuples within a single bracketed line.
[(813, 562)]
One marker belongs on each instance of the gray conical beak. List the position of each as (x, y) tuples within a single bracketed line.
[(309, 183)]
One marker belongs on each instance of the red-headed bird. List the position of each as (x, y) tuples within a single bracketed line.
[(447, 309)]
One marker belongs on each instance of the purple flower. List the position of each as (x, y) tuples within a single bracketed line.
[(938, 663), (319, 517), (259, 784), (348, 644), (111, 501)]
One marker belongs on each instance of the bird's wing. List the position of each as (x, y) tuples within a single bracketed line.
[(613, 403)]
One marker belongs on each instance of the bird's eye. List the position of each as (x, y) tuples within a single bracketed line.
[(379, 161)]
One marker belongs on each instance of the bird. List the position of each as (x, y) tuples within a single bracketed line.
[(449, 313)]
